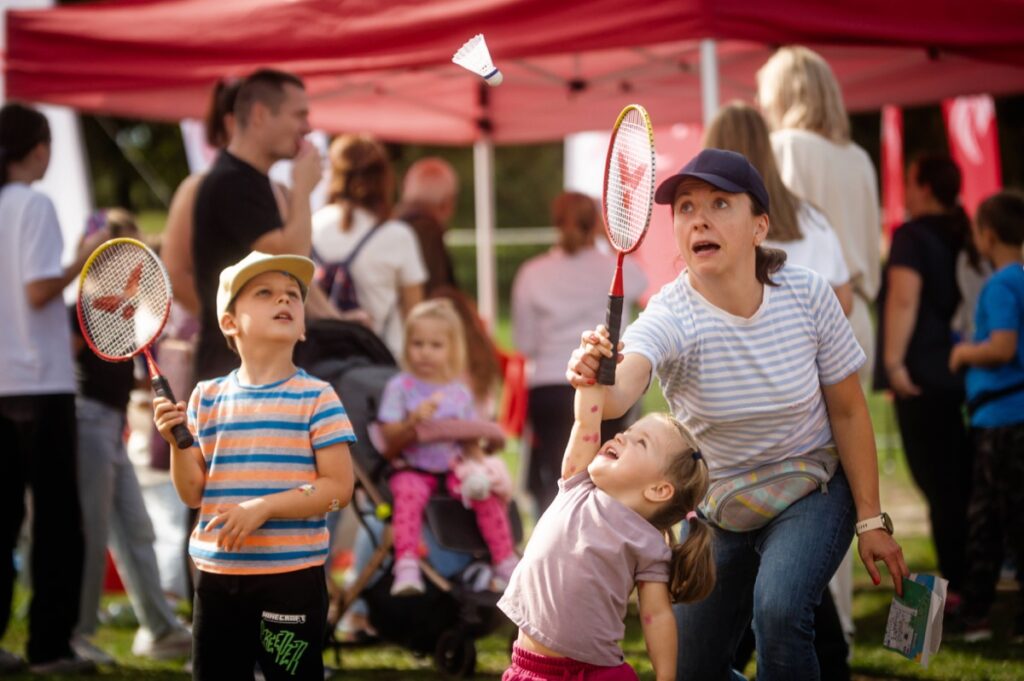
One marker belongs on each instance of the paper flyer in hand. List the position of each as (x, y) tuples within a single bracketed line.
[(914, 629)]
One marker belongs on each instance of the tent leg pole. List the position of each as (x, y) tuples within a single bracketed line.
[(483, 199), (708, 79)]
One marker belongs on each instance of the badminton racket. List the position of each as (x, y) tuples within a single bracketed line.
[(124, 298), (628, 199)]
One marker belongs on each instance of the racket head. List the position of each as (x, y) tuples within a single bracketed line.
[(124, 299), (628, 196)]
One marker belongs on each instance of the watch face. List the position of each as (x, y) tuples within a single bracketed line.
[(887, 522)]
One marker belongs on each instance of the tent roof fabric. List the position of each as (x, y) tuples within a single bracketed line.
[(569, 65)]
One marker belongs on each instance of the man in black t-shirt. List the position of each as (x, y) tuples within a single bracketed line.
[(236, 210)]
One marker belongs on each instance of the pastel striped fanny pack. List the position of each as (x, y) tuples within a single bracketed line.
[(749, 501)]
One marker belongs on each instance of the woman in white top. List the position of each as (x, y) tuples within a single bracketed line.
[(803, 105), (797, 227), (388, 271), (37, 399), (553, 297)]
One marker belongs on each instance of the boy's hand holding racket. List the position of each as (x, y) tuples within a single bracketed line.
[(167, 415)]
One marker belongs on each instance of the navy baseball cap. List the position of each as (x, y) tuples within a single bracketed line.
[(726, 170)]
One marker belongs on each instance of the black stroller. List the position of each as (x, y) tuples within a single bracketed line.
[(446, 620)]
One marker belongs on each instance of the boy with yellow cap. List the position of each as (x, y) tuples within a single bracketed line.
[(271, 459)]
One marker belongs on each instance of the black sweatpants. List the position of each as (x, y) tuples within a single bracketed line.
[(38, 438), (939, 455), (996, 513), (277, 620)]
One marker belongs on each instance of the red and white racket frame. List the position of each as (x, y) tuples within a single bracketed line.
[(613, 321)]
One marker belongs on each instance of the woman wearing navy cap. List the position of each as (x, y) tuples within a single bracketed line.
[(757, 359)]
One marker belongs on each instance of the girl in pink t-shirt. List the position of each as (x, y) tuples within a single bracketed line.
[(431, 389), (606, 532)]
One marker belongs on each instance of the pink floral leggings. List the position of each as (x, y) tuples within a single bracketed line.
[(411, 490)]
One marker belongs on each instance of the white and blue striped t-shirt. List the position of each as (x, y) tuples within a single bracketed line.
[(749, 389)]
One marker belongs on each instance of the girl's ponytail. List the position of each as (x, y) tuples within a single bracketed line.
[(692, 568)]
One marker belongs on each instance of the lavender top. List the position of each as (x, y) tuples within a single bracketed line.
[(403, 393)]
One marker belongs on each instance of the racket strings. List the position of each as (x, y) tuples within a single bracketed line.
[(124, 300), (630, 185)]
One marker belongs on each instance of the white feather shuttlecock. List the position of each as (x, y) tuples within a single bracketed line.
[(474, 57)]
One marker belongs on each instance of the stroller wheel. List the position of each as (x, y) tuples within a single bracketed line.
[(455, 655)]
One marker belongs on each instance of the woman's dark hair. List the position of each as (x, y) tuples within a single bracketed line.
[(941, 175), (22, 129), (767, 261), (1003, 213), (222, 103)]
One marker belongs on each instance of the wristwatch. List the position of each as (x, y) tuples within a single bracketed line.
[(879, 522)]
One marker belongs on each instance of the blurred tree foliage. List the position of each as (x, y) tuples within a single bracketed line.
[(134, 164), (527, 179)]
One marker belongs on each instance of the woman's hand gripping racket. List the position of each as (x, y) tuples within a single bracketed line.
[(628, 199), (124, 298)]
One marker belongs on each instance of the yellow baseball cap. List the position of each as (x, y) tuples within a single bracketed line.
[(234, 277)]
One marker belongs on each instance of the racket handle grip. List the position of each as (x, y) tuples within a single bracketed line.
[(606, 369), (182, 437)]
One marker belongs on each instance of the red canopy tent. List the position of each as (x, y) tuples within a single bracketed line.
[(569, 65)]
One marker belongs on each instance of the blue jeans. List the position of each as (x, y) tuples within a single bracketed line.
[(113, 512), (777, 574)]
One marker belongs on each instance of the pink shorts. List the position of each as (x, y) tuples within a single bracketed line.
[(528, 666)]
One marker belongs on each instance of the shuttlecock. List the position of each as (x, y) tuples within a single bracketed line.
[(473, 56)]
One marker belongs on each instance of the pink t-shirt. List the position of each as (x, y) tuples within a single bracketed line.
[(571, 589)]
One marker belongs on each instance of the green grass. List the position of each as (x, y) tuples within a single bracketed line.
[(996, 661)]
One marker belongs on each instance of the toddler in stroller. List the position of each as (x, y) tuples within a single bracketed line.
[(456, 605)]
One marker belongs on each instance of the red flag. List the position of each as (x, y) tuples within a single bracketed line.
[(974, 145), (893, 208)]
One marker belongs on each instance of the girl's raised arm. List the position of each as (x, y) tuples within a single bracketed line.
[(585, 439)]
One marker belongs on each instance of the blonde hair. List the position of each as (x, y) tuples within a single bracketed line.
[(740, 128), (797, 89), (361, 175), (481, 353), (575, 215), (442, 310), (692, 567)]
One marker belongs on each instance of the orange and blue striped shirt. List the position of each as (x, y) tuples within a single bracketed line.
[(259, 440)]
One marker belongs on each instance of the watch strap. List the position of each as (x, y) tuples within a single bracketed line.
[(874, 523)]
